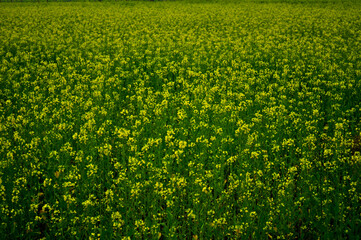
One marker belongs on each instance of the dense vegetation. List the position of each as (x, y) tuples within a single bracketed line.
[(179, 120)]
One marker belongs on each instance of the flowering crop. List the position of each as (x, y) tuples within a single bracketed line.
[(141, 120)]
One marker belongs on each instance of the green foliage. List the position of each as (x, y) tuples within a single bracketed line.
[(177, 120)]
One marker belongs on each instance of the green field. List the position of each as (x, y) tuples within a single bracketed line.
[(180, 120)]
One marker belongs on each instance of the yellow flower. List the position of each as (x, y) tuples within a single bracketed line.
[(182, 144)]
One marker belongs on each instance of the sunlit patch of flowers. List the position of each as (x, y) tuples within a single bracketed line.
[(178, 120)]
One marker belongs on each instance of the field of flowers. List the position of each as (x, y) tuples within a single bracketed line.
[(172, 120)]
